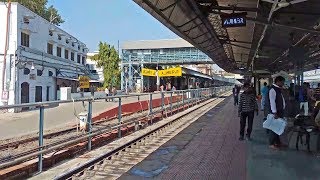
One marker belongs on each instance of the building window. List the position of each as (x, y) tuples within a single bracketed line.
[(72, 44), (67, 41), (78, 58), (72, 56), (50, 48), (59, 51), (83, 50), (66, 54), (50, 33), (79, 47), (83, 59), (39, 72), (26, 71), (25, 39), (59, 37), (50, 73)]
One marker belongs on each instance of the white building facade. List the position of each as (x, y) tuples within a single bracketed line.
[(96, 72), (39, 57)]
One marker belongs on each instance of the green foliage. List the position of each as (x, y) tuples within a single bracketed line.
[(108, 59), (39, 7)]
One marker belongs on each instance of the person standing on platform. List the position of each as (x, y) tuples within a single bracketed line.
[(235, 92), (276, 107), (304, 97), (264, 92), (107, 92), (92, 89), (316, 94), (247, 106)]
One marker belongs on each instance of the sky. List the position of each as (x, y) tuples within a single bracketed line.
[(110, 21)]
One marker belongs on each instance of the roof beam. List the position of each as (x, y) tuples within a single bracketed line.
[(235, 8), (313, 31)]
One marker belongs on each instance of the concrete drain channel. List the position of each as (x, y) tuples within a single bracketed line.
[(122, 157)]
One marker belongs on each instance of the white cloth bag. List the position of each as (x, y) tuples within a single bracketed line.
[(275, 125)]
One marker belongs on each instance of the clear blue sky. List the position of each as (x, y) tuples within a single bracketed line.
[(92, 21)]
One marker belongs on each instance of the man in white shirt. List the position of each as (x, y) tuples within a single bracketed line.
[(277, 106), (107, 92)]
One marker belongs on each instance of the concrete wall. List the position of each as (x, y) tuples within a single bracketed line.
[(99, 94)]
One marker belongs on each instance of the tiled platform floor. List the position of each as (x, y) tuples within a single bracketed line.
[(210, 149)]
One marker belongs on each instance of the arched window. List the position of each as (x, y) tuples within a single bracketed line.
[(26, 71), (39, 72), (50, 73)]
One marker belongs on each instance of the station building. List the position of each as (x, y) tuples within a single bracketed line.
[(39, 57)]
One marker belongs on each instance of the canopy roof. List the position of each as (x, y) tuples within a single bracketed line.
[(263, 44)]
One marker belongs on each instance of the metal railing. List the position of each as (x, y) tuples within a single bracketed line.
[(188, 98)]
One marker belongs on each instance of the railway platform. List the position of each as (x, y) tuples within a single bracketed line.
[(210, 149), (206, 148)]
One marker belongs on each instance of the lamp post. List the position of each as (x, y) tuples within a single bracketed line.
[(158, 79), (126, 78)]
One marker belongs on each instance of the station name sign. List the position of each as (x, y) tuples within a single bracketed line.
[(234, 20), (171, 72)]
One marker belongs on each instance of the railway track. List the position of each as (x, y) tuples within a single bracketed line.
[(116, 162), (30, 146)]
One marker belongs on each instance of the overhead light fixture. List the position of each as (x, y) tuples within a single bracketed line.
[(61, 34), (283, 3), (32, 66), (29, 17)]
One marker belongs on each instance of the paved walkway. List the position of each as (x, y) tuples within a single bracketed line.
[(210, 149), (17, 124)]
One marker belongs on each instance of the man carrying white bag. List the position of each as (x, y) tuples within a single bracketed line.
[(275, 104)]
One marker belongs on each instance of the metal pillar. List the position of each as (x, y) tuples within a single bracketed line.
[(130, 74), (182, 100), (122, 77), (162, 101), (89, 124), (150, 107), (41, 119), (119, 117), (171, 102), (142, 80)]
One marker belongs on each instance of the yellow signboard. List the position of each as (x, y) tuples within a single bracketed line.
[(171, 72), (148, 72), (84, 82)]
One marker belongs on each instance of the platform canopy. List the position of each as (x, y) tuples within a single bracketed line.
[(274, 29)]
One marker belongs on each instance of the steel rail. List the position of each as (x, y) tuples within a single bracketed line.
[(88, 164), (72, 142)]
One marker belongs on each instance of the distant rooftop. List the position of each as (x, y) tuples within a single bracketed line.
[(156, 44)]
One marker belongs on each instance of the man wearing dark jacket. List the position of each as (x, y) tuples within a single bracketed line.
[(276, 106)]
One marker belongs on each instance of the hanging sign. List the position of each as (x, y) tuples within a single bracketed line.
[(171, 72), (148, 72), (234, 20), (84, 82)]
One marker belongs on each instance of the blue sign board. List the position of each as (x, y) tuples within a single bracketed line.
[(234, 20)]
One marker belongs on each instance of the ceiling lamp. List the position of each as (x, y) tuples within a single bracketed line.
[(283, 3)]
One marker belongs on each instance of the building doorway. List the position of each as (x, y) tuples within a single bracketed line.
[(48, 93), (38, 94), (25, 92)]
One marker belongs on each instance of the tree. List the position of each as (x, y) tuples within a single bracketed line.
[(39, 7), (108, 59)]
